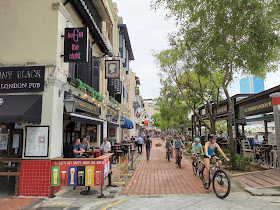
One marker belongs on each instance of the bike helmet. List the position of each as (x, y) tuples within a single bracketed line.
[(197, 139)]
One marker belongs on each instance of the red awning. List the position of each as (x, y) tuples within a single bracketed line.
[(146, 122)]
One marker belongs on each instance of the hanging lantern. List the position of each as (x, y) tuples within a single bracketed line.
[(116, 105), (104, 106), (98, 106), (85, 96), (108, 109), (92, 100), (119, 109)]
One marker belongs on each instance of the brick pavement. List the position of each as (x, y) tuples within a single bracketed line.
[(268, 178), (158, 176), (16, 203)]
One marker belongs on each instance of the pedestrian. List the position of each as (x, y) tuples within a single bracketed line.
[(140, 144), (105, 146), (149, 145)]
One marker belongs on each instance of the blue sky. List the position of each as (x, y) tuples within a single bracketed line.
[(148, 31)]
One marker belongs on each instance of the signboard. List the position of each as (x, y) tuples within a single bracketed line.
[(257, 107), (4, 141), (112, 132), (136, 105), (137, 91), (22, 79), (87, 107), (76, 45), (79, 172), (222, 110), (15, 141), (37, 141), (112, 68)]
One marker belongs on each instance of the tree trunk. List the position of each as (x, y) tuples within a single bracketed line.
[(230, 133), (213, 127)]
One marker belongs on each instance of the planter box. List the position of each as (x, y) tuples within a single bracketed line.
[(158, 145)]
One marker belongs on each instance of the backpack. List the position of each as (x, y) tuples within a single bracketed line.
[(148, 143)]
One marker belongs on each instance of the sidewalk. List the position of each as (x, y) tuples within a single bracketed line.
[(14, 203), (260, 182), (158, 176)]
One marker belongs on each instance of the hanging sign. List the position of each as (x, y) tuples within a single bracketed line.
[(22, 79), (76, 45), (112, 69), (137, 91)]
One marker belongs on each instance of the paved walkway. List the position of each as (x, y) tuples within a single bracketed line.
[(16, 203), (268, 178), (158, 176)]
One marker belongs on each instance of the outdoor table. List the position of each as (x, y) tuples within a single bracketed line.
[(128, 145), (115, 147), (93, 152)]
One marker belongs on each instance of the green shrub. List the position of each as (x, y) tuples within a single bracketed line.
[(189, 150)]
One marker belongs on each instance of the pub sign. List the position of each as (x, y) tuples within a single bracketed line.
[(22, 79), (76, 45), (112, 69)]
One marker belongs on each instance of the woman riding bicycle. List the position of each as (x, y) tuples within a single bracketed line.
[(196, 149), (209, 153), (168, 146)]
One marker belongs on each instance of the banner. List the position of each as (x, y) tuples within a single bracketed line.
[(112, 68)]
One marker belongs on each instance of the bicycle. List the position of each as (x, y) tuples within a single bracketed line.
[(220, 180), (178, 161), (168, 154), (197, 166)]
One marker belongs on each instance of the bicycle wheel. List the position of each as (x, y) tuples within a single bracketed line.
[(168, 156), (221, 184), (179, 160), (200, 167), (194, 167), (204, 182)]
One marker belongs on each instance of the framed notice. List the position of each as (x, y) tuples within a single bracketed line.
[(37, 141), (112, 68)]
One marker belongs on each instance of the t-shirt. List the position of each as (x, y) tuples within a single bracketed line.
[(77, 148), (178, 144), (196, 148), (106, 146), (148, 143), (140, 140), (84, 146), (168, 144)]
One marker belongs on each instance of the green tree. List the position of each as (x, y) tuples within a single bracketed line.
[(227, 36)]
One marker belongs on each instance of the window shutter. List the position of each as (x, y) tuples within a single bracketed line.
[(84, 70), (95, 73)]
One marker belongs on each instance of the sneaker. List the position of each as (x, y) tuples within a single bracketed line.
[(206, 186)]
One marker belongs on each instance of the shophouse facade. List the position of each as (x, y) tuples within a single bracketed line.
[(53, 54)]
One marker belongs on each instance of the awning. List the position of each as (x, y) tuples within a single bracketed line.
[(85, 119), (127, 123), (20, 108)]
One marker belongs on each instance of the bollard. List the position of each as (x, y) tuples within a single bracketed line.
[(119, 179), (137, 160), (127, 167)]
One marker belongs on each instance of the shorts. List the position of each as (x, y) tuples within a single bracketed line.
[(208, 157)]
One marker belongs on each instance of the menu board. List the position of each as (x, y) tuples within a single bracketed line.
[(37, 141), (4, 141)]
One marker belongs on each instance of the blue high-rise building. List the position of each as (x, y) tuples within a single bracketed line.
[(251, 84)]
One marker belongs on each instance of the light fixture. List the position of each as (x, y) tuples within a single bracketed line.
[(119, 109), (104, 106), (70, 103), (92, 100), (122, 121), (109, 117), (98, 106), (116, 105)]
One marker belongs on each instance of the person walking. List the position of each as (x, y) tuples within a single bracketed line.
[(140, 144), (149, 145)]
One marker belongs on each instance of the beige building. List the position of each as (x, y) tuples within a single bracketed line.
[(40, 82)]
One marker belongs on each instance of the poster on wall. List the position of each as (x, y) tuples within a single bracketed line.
[(4, 141), (112, 132), (91, 134), (15, 141), (37, 141)]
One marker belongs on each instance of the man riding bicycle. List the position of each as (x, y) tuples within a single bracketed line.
[(178, 145), (196, 149), (168, 145), (209, 154)]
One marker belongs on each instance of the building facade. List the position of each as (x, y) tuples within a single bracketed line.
[(251, 84), (60, 56)]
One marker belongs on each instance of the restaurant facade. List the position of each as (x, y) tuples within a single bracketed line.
[(54, 85)]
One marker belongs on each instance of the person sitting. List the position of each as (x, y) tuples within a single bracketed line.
[(85, 144), (105, 146), (77, 148), (125, 140)]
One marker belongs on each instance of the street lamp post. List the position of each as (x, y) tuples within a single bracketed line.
[(276, 112), (70, 103)]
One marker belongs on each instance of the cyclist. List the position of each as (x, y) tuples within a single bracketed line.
[(209, 153), (178, 145), (196, 149), (168, 146)]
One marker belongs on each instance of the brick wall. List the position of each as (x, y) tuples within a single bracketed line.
[(35, 178)]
